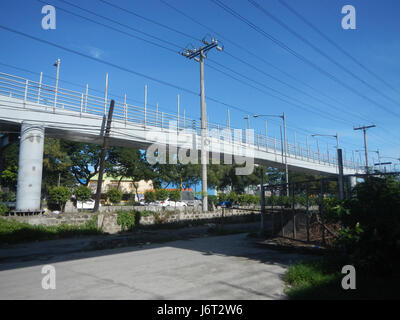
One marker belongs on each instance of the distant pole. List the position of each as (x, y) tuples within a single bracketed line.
[(286, 164), (262, 202), (337, 141), (103, 156), (86, 96), (57, 64), (156, 114), (177, 107), (266, 135), (228, 120), (282, 146), (364, 129), (40, 86), (106, 95), (340, 178), (145, 105)]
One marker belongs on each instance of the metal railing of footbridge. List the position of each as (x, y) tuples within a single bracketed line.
[(54, 98)]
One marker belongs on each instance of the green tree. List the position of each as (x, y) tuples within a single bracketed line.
[(114, 195), (128, 163), (59, 196), (56, 165), (161, 194), (175, 195), (84, 160), (9, 177), (149, 196), (82, 193)]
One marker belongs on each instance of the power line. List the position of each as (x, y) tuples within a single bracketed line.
[(91, 12), (150, 20), (299, 36), (140, 39), (264, 61), (299, 56), (104, 25), (176, 45), (337, 46), (119, 23), (323, 115), (110, 27), (99, 60)]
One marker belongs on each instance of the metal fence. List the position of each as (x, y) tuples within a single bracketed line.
[(298, 210)]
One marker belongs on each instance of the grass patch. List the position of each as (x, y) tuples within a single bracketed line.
[(17, 232), (321, 280)]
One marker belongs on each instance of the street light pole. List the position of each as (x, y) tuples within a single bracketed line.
[(248, 121), (57, 64), (199, 55), (286, 151), (283, 117)]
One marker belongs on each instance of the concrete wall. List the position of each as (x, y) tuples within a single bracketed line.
[(107, 221), (53, 219)]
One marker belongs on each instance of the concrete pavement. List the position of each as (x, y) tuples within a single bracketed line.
[(222, 267)]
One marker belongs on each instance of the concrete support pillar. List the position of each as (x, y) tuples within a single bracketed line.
[(30, 166)]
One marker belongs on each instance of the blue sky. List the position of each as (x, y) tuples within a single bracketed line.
[(375, 43)]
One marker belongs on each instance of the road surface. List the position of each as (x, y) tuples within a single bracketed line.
[(222, 267)]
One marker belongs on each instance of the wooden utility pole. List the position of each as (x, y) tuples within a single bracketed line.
[(364, 129), (103, 156)]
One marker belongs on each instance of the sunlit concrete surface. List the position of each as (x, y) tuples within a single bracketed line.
[(224, 267)]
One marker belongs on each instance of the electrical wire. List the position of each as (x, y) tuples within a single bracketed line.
[(301, 57)]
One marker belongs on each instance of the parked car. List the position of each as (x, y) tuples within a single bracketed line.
[(225, 204), (169, 203), (189, 198), (86, 204), (10, 204)]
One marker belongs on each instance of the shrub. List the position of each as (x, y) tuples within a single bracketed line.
[(371, 223), (126, 219), (175, 195), (272, 200), (149, 196), (161, 194), (300, 199), (232, 197), (15, 232), (3, 209), (82, 193), (285, 201), (160, 218), (114, 195), (212, 199), (9, 196), (222, 197), (242, 199), (59, 196)]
